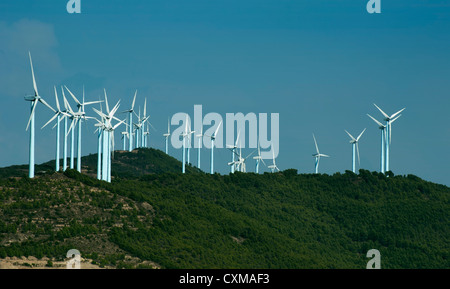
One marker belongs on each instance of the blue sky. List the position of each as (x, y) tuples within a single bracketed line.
[(320, 64)]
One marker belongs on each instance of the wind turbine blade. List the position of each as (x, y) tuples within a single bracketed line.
[(32, 113), (50, 120), (57, 101), (168, 126), (122, 121), (392, 116), (350, 135), (237, 139), (217, 129), (250, 154), (385, 115), (395, 118), (376, 121), (106, 101), (360, 134), (92, 102), (71, 126), (66, 103), (100, 113), (46, 104), (36, 93), (155, 128), (186, 125), (145, 107), (73, 96), (134, 100), (390, 132), (315, 142), (357, 151)]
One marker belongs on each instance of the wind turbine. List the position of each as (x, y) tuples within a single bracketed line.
[(57, 115), (108, 137), (80, 116), (389, 120), (130, 122), (241, 161), (213, 138), (34, 99), (382, 128), (258, 159), (167, 135), (200, 142), (233, 148), (317, 156), (273, 166), (355, 149), (65, 131), (189, 144), (186, 134), (74, 116)]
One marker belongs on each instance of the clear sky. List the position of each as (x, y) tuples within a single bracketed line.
[(320, 64)]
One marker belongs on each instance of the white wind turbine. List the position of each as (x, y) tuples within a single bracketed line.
[(108, 137), (140, 127), (100, 129), (389, 120), (317, 156), (241, 161), (74, 117), (273, 166), (382, 128), (355, 149), (65, 130), (130, 123), (57, 115), (34, 99), (233, 164), (258, 159), (80, 115), (200, 142), (166, 136), (186, 134), (213, 138), (189, 137)]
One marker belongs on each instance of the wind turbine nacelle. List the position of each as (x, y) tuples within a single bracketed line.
[(30, 98)]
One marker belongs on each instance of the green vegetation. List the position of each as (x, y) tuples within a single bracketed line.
[(154, 214)]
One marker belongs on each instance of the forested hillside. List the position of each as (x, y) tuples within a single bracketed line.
[(165, 219)]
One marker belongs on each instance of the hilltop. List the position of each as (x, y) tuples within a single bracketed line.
[(152, 216)]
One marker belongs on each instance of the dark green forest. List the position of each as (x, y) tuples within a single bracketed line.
[(154, 213)]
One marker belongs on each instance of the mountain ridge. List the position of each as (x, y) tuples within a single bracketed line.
[(164, 219)]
